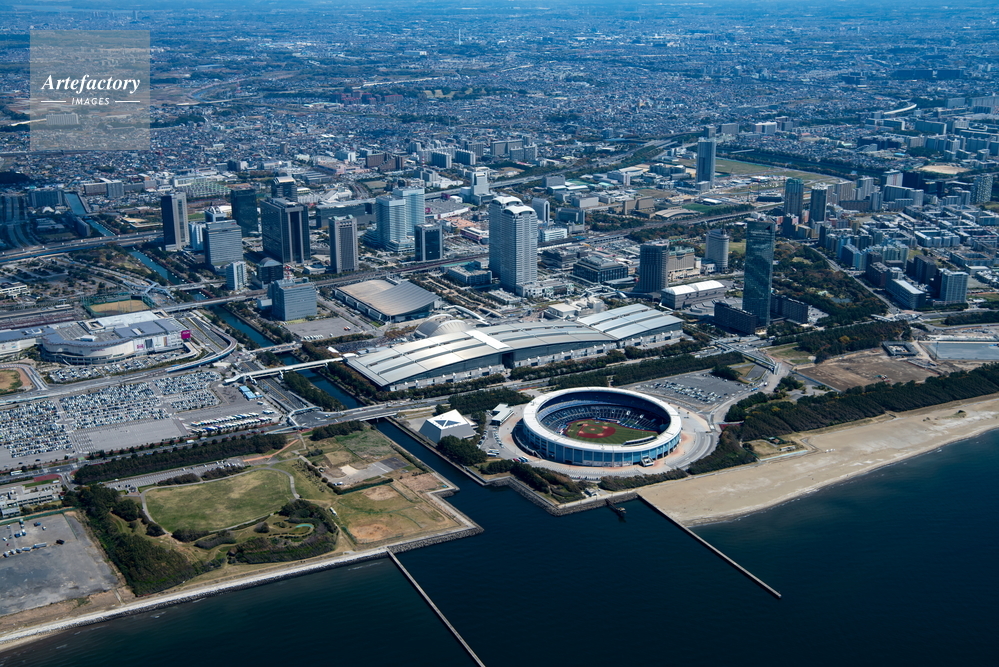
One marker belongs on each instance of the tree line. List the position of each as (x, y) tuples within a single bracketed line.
[(333, 430), (646, 370), (482, 401), (299, 384), (148, 567), (832, 342), (812, 412), (178, 457)]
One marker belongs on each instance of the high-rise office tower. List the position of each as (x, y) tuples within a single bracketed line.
[(285, 227), (416, 206), (706, 160), (343, 244), (397, 215), (284, 187), (174, 210), (794, 197), (496, 207), (517, 245), (292, 299), (817, 205), (196, 236), (244, 209), (429, 242), (717, 249), (392, 223), (760, 237), (235, 275), (543, 208), (653, 268), (223, 243), (480, 183)]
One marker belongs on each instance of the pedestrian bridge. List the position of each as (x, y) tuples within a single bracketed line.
[(277, 370)]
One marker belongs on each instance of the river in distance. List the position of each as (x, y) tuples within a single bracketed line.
[(896, 567)]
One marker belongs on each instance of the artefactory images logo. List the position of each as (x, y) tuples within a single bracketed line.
[(89, 90)]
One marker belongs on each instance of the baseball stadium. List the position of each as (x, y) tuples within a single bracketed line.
[(598, 426)]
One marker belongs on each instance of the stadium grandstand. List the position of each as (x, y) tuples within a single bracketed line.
[(597, 426)]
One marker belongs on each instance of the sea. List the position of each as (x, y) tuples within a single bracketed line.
[(897, 567)]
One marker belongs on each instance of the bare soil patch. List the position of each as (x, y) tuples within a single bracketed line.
[(863, 368), (380, 493)]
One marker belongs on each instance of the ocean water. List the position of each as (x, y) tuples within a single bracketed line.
[(896, 567)]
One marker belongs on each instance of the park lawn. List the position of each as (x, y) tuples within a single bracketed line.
[(381, 512), (221, 503), (306, 484), (621, 434), (368, 444)]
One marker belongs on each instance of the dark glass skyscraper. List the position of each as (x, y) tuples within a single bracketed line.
[(244, 209), (285, 227), (760, 237), (794, 197), (174, 211), (706, 160)]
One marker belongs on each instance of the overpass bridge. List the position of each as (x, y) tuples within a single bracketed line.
[(277, 370)]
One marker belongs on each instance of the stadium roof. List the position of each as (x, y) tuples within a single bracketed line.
[(391, 299), (426, 356)]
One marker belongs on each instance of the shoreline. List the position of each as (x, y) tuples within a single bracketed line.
[(466, 528), (835, 454)]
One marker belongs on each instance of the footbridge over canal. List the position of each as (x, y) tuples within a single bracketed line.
[(278, 370)]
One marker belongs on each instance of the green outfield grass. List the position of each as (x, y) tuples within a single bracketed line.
[(221, 503), (620, 434)]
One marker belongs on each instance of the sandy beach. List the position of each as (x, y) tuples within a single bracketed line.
[(834, 455)]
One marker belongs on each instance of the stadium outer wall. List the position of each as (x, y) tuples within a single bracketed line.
[(536, 438)]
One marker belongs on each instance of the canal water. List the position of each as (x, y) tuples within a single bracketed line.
[(896, 567)]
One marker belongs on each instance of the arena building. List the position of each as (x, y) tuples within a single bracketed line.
[(459, 353), (100, 341), (598, 426)]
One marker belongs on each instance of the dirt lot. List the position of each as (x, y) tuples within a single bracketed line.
[(119, 307), (863, 368)]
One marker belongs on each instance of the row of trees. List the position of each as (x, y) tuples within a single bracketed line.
[(299, 384), (863, 336), (481, 401), (812, 412), (647, 370), (462, 452), (148, 567), (565, 367), (979, 317), (333, 430), (613, 483), (178, 457)]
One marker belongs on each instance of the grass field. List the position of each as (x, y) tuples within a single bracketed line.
[(382, 512), (607, 433), (119, 307), (10, 380), (221, 503)]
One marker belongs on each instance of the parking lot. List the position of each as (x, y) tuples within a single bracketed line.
[(328, 328), (77, 373), (117, 417), (52, 573), (698, 390)]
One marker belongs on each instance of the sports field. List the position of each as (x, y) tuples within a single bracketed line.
[(606, 432)]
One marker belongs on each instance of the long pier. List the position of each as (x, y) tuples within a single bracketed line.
[(440, 614), (752, 577)]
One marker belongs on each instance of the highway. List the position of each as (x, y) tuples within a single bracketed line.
[(79, 244)]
